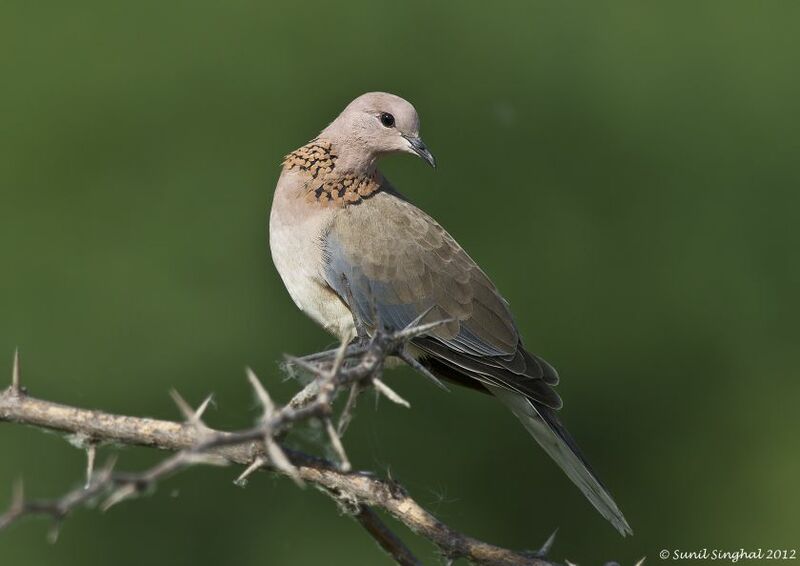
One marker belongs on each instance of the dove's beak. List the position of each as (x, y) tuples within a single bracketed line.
[(418, 146)]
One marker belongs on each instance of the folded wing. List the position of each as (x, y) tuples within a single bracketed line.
[(399, 263)]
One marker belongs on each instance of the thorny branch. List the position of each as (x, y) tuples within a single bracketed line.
[(351, 368)]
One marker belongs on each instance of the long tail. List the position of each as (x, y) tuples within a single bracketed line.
[(544, 426)]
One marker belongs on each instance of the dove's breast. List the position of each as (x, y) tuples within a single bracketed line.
[(296, 229)]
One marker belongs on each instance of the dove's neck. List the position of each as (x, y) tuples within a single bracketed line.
[(353, 162), (332, 179), (353, 151)]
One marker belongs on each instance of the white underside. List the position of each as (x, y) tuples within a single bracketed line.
[(294, 243)]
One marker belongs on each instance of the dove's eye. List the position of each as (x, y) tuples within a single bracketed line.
[(387, 119)]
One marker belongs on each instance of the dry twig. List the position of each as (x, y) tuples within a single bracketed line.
[(349, 368)]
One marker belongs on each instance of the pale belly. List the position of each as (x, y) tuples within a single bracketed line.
[(297, 255)]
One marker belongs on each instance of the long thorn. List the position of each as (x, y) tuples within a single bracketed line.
[(258, 462), (15, 379), (409, 333), (548, 544), (309, 367), (338, 447), (339, 359), (198, 414), (184, 407), (118, 495), (351, 351), (390, 394), (193, 417), (91, 454), (414, 363), (278, 459), (263, 397), (419, 318), (347, 413)]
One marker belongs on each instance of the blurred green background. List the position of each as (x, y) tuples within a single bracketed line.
[(626, 172)]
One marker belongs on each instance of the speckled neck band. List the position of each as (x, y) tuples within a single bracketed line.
[(327, 186)]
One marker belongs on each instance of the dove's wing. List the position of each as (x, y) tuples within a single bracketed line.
[(393, 262), (397, 258)]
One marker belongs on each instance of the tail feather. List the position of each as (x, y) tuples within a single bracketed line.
[(543, 424)]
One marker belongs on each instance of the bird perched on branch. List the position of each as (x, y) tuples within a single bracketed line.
[(346, 241)]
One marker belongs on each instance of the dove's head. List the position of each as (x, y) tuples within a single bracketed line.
[(376, 124)]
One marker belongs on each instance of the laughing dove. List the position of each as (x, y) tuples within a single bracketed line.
[(343, 240)]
